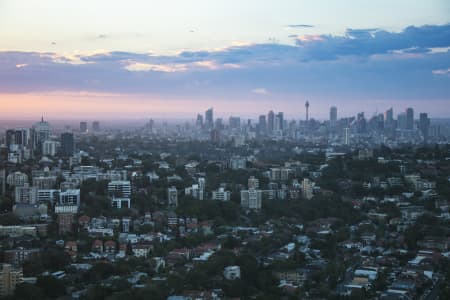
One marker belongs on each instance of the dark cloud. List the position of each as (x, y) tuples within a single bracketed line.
[(364, 42)]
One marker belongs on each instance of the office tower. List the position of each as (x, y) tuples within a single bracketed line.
[(199, 121), (96, 126), (279, 121), (307, 111), (402, 121), (235, 122), (424, 125), (346, 136), (18, 138), (172, 197), (361, 123), (50, 148), (3, 181), (67, 144), (218, 124), (271, 121), (333, 117), (150, 125), (389, 118), (209, 118), (10, 277), (10, 138), (409, 118), (41, 134), (215, 136), (262, 124), (83, 127)]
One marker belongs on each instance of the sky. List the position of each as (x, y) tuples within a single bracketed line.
[(174, 58)]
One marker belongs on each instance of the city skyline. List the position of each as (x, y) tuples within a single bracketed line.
[(164, 62)]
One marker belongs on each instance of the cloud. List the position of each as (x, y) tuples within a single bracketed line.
[(366, 42), (261, 91), (300, 26), (21, 66), (360, 64), (441, 72), (143, 67)]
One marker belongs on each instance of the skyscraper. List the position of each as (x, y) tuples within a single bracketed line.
[(262, 124), (209, 118), (424, 125), (409, 118), (235, 122), (307, 111), (402, 121), (333, 117), (271, 120), (41, 134), (96, 126), (83, 127), (67, 144), (346, 136), (389, 118), (199, 121), (279, 121)]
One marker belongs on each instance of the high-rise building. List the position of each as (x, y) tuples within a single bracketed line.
[(209, 118), (10, 277), (67, 144), (346, 136), (271, 121), (262, 124), (235, 122), (172, 197), (215, 136), (41, 134), (251, 199), (18, 138), (218, 124), (307, 111), (409, 118), (333, 117), (402, 121), (83, 127), (96, 126), (424, 125), (199, 121), (279, 121), (307, 188), (389, 118), (50, 148)]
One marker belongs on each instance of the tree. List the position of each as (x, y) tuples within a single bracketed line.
[(26, 291), (51, 286)]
